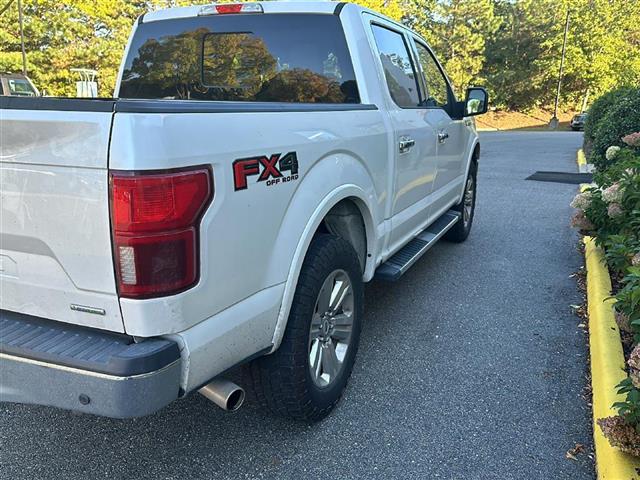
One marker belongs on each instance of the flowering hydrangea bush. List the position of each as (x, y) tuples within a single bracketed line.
[(610, 212)]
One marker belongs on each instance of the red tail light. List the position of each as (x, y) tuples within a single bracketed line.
[(155, 219)]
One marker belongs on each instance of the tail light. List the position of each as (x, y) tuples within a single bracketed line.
[(155, 219)]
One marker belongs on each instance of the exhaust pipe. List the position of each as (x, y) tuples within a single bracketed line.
[(225, 394)]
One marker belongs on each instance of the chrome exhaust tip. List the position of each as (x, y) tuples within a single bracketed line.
[(225, 394)]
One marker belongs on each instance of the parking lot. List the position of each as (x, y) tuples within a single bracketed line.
[(470, 367)]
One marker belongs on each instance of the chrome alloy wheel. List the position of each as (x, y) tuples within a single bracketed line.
[(469, 192), (331, 328)]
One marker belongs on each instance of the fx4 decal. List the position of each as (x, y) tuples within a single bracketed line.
[(269, 169)]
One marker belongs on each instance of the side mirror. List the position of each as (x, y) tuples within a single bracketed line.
[(477, 101)]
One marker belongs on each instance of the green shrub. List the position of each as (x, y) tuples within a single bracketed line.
[(625, 159), (599, 109), (622, 117)]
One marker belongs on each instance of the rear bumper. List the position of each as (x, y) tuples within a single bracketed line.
[(53, 364)]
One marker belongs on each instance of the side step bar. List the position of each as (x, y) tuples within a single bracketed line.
[(403, 259)]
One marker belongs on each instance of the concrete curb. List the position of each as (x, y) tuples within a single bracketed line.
[(581, 160), (607, 366)]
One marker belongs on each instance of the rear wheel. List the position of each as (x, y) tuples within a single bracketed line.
[(306, 376), (460, 231)]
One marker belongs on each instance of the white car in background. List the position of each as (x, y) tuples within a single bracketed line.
[(17, 84)]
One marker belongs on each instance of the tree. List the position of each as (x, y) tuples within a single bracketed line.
[(391, 8), (511, 46), (458, 31), (63, 35), (523, 57)]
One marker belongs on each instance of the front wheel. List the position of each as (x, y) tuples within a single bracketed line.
[(460, 231), (305, 377)]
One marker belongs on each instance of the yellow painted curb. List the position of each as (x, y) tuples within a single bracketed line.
[(607, 364), (581, 159)]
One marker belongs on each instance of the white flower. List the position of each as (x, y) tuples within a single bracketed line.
[(613, 194), (635, 261), (581, 201), (581, 222), (615, 210), (611, 152)]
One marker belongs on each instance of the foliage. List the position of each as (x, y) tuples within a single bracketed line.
[(630, 408), (64, 35), (620, 119), (514, 78), (511, 46), (391, 8), (599, 108), (620, 250), (457, 30), (620, 237), (603, 51), (611, 211)]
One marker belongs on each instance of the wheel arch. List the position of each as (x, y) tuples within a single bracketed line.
[(344, 201), (474, 157)]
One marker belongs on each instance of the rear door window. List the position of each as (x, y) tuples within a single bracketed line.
[(262, 57), (397, 65)]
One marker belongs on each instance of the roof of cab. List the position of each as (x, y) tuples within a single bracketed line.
[(327, 7)]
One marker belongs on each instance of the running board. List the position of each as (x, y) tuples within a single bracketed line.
[(403, 259)]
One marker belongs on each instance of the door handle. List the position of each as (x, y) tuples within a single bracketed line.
[(405, 143), (442, 137)]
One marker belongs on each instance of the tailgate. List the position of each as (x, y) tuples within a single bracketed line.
[(55, 244)]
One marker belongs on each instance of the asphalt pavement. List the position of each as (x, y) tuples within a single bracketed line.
[(470, 367)]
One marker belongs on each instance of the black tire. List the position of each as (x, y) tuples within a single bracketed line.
[(282, 381), (460, 231)]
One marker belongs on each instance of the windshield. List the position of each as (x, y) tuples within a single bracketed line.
[(262, 57)]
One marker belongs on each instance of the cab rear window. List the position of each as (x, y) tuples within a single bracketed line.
[(255, 58)]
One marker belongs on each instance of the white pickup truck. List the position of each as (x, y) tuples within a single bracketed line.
[(258, 164)]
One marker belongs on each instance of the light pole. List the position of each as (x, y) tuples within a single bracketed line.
[(553, 124), (24, 54)]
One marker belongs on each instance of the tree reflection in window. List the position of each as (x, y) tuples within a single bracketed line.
[(203, 65), (236, 61)]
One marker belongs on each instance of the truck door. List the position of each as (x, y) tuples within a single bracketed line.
[(453, 135), (414, 135)]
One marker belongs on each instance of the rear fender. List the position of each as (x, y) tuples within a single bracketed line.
[(333, 179)]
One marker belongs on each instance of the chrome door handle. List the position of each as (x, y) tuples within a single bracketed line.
[(405, 143), (442, 137)]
